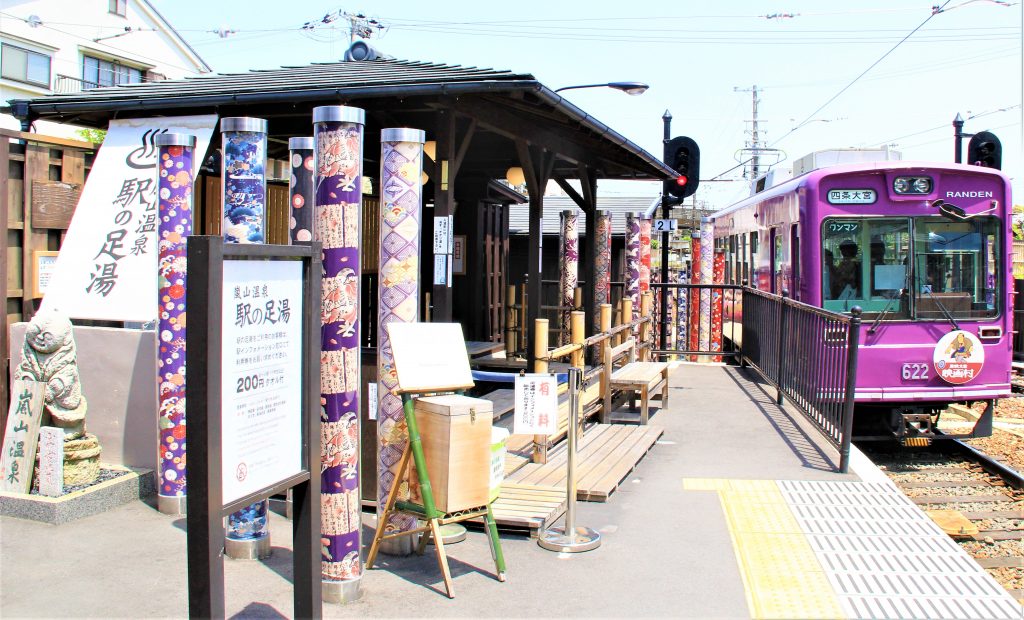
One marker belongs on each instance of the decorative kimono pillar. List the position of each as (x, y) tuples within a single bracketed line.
[(398, 301), (696, 295), (682, 317), (174, 196), (602, 265), (717, 277), (645, 255), (337, 198), (568, 271), (707, 268), (300, 189), (633, 263), (244, 144)]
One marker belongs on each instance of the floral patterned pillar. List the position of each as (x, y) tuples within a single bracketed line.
[(718, 277), (695, 296), (707, 266), (633, 263), (300, 189), (568, 270), (398, 297), (682, 342), (174, 191), (602, 265), (337, 198), (645, 255), (244, 161)]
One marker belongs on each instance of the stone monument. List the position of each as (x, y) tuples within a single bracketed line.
[(49, 356)]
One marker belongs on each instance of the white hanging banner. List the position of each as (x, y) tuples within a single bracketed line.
[(107, 267)]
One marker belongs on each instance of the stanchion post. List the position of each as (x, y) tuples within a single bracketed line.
[(510, 321), (540, 366), (578, 326), (571, 538), (603, 348)]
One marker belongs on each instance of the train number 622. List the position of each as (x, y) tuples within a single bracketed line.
[(915, 371)]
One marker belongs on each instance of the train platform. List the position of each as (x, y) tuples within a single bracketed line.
[(736, 512)]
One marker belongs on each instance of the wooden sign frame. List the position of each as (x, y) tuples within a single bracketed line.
[(204, 360), (430, 357)]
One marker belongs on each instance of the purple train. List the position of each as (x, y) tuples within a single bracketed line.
[(923, 248)]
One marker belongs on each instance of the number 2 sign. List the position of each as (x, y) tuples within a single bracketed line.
[(664, 225)]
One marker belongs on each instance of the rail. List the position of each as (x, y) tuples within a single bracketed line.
[(810, 356), (704, 305)]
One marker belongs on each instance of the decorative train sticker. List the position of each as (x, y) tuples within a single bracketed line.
[(958, 357)]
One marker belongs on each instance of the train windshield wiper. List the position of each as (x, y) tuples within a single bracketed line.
[(885, 311), (945, 312)]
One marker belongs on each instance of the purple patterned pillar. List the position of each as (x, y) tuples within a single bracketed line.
[(633, 263), (602, 265), (337, 197), (707, 270), (174, 192), (244, 161), (398, 302), (568, 271), (300, 189), (645, 255)]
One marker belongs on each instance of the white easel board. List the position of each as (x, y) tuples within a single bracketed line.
[(430, 357)]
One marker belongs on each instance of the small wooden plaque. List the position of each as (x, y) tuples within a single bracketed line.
[(53, 203), (18, 459)]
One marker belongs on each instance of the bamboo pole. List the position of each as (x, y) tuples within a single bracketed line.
[(627, 317), (577, 299), (646, 303), (606, 371), (510, 321), (577, 335), (523, 345), (540, 366)]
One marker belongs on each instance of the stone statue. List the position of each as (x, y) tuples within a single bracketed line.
[(49, 357)]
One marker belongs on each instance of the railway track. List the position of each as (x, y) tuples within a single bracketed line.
[(976, 499)]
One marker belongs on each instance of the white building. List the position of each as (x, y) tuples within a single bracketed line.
[(65, 46)]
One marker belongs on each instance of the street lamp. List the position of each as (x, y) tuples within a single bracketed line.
[(630, 88)]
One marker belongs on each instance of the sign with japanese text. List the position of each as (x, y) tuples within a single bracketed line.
[(536, 405), (958, 357), (442, 232), (51, 461), (852, 196), (107, 267), (261, 386), (22, 434)]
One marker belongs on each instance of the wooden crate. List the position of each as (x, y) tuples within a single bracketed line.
[(456, 435)]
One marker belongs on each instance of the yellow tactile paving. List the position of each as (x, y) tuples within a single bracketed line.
[(781, 575)]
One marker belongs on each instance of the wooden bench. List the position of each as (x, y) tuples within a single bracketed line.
[(643, 378)]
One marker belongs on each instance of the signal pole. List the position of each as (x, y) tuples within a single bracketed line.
[(666, 210)]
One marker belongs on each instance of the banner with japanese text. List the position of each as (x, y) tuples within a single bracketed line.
[(107, 266)]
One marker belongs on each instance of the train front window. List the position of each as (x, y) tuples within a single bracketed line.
[(956, 268), (865, 263)]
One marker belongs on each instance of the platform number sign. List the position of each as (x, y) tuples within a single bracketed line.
[(664, 225)]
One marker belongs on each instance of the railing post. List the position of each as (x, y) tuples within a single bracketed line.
[(779, 349), (735, 304), (510, 321), (604, 348), (540, 366), (852, 346)]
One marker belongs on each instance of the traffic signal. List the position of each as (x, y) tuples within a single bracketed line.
[(985, 150), (683, 156)]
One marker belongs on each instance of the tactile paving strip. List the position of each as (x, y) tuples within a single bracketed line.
[(886, 559)]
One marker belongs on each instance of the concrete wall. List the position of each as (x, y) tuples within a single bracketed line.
[(118, 371)]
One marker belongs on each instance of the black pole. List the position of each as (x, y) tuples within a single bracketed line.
[(780, 347), (958, 135), (666, 210), (853, 344)]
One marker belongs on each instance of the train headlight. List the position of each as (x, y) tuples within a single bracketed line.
[(912, 185)]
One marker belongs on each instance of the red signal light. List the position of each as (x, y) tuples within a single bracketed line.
[(681, 181)]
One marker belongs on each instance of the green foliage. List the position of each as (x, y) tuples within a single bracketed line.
[(95, 136)]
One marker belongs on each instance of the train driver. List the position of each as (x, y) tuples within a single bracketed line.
[(846, 277)]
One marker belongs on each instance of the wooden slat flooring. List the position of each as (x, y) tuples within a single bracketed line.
[(607, 454), (526, 508)]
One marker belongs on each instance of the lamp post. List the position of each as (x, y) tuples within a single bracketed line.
[(630, 88)]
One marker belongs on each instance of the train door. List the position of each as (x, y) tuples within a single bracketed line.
[(775, 260), (794, 260)]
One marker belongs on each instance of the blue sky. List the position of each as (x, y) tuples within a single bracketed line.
[(966, 59)]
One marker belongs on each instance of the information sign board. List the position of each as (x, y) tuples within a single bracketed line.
[(430, 357), (536, 405)]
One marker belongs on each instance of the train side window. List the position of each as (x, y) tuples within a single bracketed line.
[(794, 258), (753, 260)]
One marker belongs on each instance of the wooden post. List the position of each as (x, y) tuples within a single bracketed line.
[(578, 333), (577, 299), (540, 350), (606, 393), (627, 317), (523, 345), (510, 321)]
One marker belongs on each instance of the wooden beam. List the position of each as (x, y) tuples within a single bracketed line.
[(588, 184), (537, 164), (571, 192), (443, 205), (467, 137)]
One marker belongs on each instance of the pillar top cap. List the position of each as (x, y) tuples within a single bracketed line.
[(403, 134), (305, 142), (243, 123), (175, 139), (339, 114)]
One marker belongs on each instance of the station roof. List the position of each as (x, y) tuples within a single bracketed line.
[(503, 106)]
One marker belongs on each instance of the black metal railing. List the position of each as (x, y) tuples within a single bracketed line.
[(692, 308), (810, 356)]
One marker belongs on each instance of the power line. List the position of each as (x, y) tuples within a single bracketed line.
[(863, 73)]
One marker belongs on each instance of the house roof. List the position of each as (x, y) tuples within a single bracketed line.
[(505, 104), (519, 214)]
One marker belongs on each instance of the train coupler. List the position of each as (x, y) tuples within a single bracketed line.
[(916, 430)]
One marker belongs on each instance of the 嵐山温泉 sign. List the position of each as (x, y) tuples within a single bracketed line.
[(107, 266)]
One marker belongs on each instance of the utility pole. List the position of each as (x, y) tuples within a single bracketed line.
[(361, 26), (958, 138), (754, 146)]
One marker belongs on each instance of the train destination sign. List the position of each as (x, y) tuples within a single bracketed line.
[(852, 196)]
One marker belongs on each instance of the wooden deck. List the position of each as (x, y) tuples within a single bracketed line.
[(527, 509), (608, 453)]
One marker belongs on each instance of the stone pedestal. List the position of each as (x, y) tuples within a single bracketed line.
[(81, 460)]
